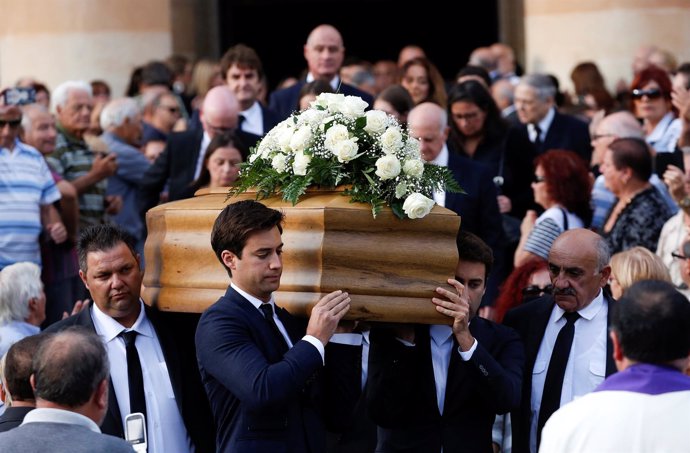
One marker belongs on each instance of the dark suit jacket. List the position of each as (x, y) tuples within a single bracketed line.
[(402, 393), (285, 101), (530, 321), (264, 400), (184, 377), (566, 132), (270, 119), (13, 417)]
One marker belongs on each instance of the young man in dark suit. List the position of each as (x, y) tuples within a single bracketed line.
[(165, 385), (260, 366), (579, 268), (324, 52), (438, 388)]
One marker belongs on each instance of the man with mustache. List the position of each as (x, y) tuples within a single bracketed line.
[(567, 348)]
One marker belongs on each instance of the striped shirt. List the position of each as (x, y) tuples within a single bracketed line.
[(73, 159), (25, 185), (548, 227)]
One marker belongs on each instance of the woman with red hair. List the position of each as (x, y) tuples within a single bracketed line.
[(562, 186), (651, 94), (526, 283)]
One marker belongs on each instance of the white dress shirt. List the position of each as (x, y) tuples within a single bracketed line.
[(335, 81), (54, 415), (544, 125), (253, 119), (202, 151), (586, 367), (165, 427), (442, 161)]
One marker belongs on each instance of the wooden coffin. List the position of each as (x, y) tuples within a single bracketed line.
[(389, 266)]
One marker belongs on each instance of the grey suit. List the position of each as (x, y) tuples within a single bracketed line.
[(40, 437)]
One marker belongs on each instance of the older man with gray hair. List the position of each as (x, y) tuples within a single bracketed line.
[(541, 121), (121, 121), (73, 159), (22, 303), (70, 381)]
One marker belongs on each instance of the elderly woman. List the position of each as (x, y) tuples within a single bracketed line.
[(640, 212), (633, 265), (22, 303), (562, 186), (651, 93)]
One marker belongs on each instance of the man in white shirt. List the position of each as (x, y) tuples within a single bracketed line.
[(70, 382), (565, 334), (644, 406), (156, 374)]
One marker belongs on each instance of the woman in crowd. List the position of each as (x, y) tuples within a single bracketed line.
[(591, 95), (562, 186), (527, 282), (221, 164), (423, 81), (633, 265), (640, 212), (396, 101), (651, 93)]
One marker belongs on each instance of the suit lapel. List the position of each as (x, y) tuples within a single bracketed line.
[(169, 353), (610, 363), (555, 130), (428, 382), (536, 331)]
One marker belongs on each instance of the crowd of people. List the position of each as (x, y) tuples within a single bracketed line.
[(575, 221)]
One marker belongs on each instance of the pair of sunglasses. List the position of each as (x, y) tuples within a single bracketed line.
[(12, 123), (532, 291), (654, 93)]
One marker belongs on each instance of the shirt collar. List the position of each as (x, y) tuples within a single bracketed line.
[(254, 301), (545, 123), (589, 312), (660, 129), (52, 415), (440, 334), (335, 81), (109, 328), (442, 158)]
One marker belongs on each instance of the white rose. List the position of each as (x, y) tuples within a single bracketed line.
[(335, 135), (279, 162), (301, 138), (413, 167), (312, 117), (346, 150), (391, 140), (299, 166), (387, 167), (331, 101), (353, 106), (376, 121), (284, 137), (417, 206)]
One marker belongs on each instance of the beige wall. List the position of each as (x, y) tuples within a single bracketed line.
[(561, 33), (58, 40)]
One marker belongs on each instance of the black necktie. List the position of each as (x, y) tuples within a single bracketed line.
[(240, 119), (137, 397), (553, 385), (267, 310), (538, 143)]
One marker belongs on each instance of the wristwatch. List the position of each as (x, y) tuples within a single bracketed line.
[(685, 202)]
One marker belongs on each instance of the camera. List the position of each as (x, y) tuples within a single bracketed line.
[(19, 96)]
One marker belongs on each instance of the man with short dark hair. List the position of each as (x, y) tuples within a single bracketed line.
[(70, 381), (438, 388), (260, 369), (153, 369), (16, 385), (645, 405)]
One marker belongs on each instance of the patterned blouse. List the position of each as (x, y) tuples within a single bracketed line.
[(639, 223)]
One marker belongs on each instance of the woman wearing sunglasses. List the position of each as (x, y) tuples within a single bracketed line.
[(562, 186), (651, 94)]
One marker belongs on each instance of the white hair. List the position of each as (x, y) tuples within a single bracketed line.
[(27, 115), (117, 111), (19, 283), (61, 93)]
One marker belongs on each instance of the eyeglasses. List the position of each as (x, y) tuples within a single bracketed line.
[(679, 256), (596, 137), (11, 123), (172, 110), (467, 116), (654, 93), (538, 179), (533, 291)]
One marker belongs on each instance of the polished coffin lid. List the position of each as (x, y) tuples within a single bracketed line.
[(389, 266)]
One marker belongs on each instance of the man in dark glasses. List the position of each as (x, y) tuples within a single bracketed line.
[(28, 193)]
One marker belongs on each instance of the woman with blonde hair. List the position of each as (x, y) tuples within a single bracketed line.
[(632, 265)]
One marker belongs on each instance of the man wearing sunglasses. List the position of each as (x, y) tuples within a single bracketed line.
[(28, 193), (567, 349)]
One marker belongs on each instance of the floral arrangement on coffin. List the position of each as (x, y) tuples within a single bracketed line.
[(335, 142)]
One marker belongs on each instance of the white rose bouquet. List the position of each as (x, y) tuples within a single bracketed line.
[(335, 142)]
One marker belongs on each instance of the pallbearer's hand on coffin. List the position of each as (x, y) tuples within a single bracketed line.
[(456, 304), (326, 314)]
